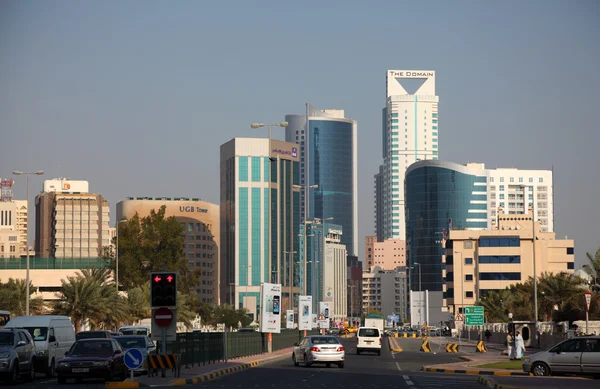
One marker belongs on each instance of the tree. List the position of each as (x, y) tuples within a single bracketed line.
[(593, 268), (496, 304), (13, 298), (555, 291), (230, 316)]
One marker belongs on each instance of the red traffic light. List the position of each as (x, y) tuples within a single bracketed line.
[(169, 278), (158, 279)]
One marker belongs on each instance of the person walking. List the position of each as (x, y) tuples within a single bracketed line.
[(488, 334), (519, 346), (509, 343)]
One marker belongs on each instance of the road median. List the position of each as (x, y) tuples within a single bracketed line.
[(393, 345)]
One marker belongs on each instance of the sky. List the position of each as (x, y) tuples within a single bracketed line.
[(136, 97)]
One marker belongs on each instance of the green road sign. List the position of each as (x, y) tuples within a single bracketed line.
[(474, 316)]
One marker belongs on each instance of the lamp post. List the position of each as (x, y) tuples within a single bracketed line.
[(352, 301), (322, 223), (117, 255), (533, 238), (303, 263), (259, 125), (305, 188), (27, 280), (420, 296), (291, 281)]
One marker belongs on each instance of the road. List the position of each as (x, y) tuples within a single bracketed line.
[(390, 370)]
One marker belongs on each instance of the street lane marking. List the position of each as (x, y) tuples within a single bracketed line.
[(406, 378), (398, 366)]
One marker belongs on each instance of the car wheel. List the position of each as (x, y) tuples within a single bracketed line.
[(306, 363), (51, 370), (341, 365), (61, 379), (294, 360), (31, 376), (540, 369), (14, 374)]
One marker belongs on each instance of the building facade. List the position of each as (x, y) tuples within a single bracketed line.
[(70, 223), (477, 262), (259, 220), (13, 228), (386, 292), (328, 158), (335, 283), (387, 255), (354, 282), (409, 134), (200, 222)]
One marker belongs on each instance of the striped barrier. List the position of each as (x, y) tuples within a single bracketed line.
[(481, 347), (425, 346), (452, 348), (477, 372), (163, 362)]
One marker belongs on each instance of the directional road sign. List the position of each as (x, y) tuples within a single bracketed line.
[(474, 316), (133, 358)]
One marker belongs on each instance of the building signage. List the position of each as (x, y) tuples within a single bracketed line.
[(292, 153), (270, 308), (305, 313), (190, 209), (409, 74)]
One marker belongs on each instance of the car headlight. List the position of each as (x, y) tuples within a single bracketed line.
[(5, 354), (101, 363), (63, 364)]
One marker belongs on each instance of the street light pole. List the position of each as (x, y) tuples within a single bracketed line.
[(533, 238), (305, 188), (291, 282), (117, 255)]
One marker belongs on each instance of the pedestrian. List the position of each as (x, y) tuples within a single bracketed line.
[(488, 335), (509, 343), (519, 346)]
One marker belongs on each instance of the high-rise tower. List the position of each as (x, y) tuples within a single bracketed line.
[(409, 134)]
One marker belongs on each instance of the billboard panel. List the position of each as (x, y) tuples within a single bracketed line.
[(289, 319), (305, 313), (323, 320), (270, 308)]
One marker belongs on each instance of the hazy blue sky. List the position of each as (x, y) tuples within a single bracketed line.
[(137, 96)]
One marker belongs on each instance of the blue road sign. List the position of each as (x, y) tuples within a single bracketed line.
[(133, 358)]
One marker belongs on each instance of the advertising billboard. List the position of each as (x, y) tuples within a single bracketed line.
[(270, 308), (393, 320), (289, 321), (324, 314), (305, 313)]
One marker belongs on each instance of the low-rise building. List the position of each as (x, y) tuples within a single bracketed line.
[(385, 291), (476, 262), (387, 255)]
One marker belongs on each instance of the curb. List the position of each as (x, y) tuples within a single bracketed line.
[(476, 372), (124, 384), (394, 349), (214, 374), (490, 383)]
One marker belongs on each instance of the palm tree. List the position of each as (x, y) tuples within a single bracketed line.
[(593, 268), (496, 305), (13, 298), (558, 290)]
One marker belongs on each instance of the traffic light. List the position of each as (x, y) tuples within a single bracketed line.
[(163, 290)]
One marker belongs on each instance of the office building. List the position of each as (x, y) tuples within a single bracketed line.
[(386, 292), (387, 255), (354, 281), (443, 196), (259, 223), (328, 158), (335, 282), (13, 228), (70, 222), (409, 134), (200, 223), (477, 262)]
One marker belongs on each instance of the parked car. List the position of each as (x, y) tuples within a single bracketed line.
[(17, 354), (368, 339), (135, 330), (141, 342), (333, 331), (96, 334), (92, 358), (53, 336), (579, 355), (319, 349)]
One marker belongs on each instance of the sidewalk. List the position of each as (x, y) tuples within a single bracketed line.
[(201, 373)]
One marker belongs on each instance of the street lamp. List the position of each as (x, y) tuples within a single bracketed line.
[(305, 188), (259, 125), (303, 263), (291, 281), (19, 173), (247, 267), (321, 222), (533, 238), (117, 255)]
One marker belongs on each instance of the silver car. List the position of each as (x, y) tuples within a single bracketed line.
[(17, 354), (579, 355), (319, 349)]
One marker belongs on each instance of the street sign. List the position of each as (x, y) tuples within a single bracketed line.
[(133, 358), (163, 317), (474, 316), (171, 330), (588, 300)]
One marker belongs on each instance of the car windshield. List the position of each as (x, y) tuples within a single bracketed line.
[(325, 340), (87, 349), (38, 333), (128, 343), (369, 332), (6, 338), (90, 335)]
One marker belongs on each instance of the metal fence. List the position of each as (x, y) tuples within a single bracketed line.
[(200, 348)]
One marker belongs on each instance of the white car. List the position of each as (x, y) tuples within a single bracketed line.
[(319, 349), (368, 339)]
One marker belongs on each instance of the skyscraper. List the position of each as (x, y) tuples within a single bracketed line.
[(328, 158), (409, 134), (259, 220)]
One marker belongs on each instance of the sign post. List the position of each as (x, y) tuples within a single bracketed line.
[(163, 317), (133, 359), (588, 300)]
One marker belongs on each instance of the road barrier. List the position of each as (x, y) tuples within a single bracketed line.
[(163, 362), (481, 347), (452, 348), (425, 346)]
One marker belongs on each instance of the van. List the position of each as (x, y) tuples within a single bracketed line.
[(53, 337), (135, 330), (368, 339)]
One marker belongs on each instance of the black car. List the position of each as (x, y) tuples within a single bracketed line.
[(92, 358), (95, 334)]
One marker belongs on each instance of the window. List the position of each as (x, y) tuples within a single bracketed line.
[(541, 179), (570, 250), (450, 276), (511, 276), (243, 168), (468, 261), (570, 265), (469, 294), (513, 241), (500, 259), (468, 277)]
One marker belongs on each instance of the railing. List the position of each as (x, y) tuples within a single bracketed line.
[(52, 263)]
